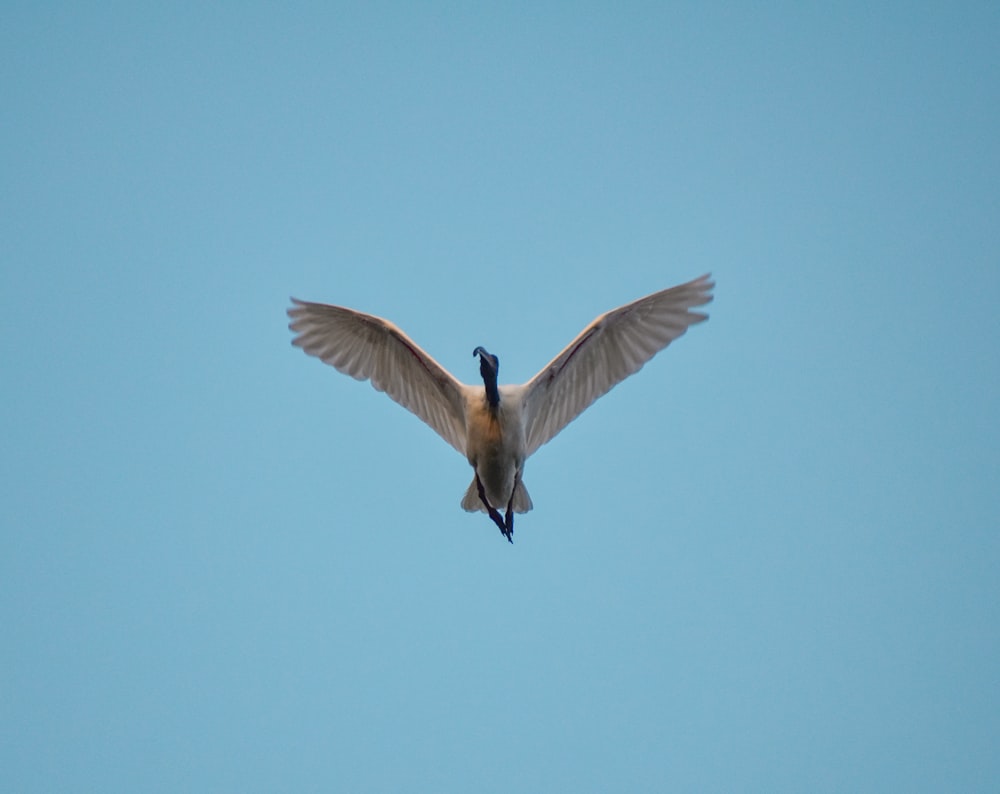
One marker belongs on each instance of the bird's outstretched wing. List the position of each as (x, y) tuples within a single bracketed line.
[(614, 346), (370, 348)]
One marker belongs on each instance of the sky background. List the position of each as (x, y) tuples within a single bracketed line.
[(768, 562)]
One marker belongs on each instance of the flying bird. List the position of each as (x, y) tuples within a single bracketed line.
[(498, 427)]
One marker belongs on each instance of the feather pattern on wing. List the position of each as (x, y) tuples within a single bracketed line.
[(370, 348), (615, 345)]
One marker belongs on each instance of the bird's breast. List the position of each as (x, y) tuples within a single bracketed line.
[(494, 434)]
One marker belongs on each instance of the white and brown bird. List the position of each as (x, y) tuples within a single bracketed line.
[(498, 427)]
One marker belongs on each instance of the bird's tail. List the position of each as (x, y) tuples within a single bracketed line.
[(471, 501)]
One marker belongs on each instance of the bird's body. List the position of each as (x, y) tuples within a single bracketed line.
[(498, 427), (495, 448)]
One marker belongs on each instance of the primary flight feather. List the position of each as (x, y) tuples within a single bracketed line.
[(497, 427)]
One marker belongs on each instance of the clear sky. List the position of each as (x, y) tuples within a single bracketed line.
[(768, 562)]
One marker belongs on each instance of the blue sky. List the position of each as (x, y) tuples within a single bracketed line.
[(768, 562)]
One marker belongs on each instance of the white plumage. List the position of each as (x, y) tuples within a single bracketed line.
[(498, 427)]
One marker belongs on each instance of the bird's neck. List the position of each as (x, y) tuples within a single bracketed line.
[(492, 392)]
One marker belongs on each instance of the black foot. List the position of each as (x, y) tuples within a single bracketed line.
[(506, 530), (498, 520)]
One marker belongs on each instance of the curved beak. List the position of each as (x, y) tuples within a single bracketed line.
[(487, 359)]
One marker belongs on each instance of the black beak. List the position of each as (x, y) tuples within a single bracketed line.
[(487, 359)]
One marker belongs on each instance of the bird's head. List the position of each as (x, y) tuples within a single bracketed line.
[(489, 368), (488, 363)]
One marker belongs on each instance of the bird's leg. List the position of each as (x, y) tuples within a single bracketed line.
[(497, 518), (508, 519)]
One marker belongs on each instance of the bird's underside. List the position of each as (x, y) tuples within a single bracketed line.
[(498, 427), (476, 499)]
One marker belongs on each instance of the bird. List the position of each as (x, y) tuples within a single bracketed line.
[(498, 427)]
